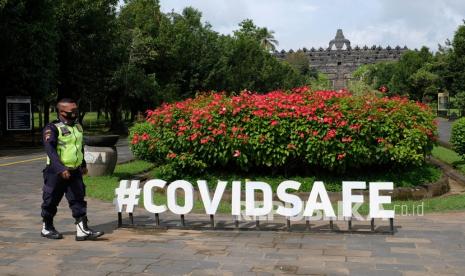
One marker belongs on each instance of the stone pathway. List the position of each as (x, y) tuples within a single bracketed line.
[(444, 130), (433, 244)]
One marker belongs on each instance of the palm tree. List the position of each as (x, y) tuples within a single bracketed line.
[(267, 40)]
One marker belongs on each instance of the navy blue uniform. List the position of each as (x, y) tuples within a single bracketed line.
[(55, 186)]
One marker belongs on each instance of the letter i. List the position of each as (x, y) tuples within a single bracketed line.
[(236, 199)]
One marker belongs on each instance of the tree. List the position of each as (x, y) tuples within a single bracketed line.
[(264, 36), (460, 100), (28, 60), (134, 84), (267, 39), (87, 30), (412, 75), (300, 61), (457, 61), (409, 63), (423, 84)]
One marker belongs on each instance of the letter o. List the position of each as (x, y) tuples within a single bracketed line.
[(188, 197)]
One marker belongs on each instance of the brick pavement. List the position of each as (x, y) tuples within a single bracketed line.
[(429, 245)]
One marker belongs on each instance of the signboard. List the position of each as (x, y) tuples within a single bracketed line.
[(18, 113), (443, 101), (129, 192)]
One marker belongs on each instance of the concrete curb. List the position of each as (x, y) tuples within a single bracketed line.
[(448, 170)]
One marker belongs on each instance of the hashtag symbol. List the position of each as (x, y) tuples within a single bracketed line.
[(127, 195)]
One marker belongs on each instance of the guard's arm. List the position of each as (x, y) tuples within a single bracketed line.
[(83, 164), (50, 140)]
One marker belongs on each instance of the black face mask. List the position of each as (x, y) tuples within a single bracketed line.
[(72, 115)]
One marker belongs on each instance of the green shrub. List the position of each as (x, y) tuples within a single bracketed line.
[(457, 138), (282, 129)]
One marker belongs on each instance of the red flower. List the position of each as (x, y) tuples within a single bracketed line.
[(193, 136), (346, 139), (217, 131), (341, 156), (291, 146), (237, 153), (145, 137), (274, 122), (171, 155), (222, 110), (182, 128), (327, 120), (330, 134), (135, 139), (380, 140), (383, 89)]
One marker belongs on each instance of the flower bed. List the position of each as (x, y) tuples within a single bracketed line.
[(331, 130)]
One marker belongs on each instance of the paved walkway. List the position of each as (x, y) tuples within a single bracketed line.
[(444, 130), (430, 245)]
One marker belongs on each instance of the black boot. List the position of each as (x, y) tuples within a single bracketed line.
[(83, 232), (49, 231)]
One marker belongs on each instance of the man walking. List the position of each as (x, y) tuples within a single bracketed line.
[(63, 142)]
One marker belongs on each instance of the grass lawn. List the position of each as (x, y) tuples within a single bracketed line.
[(103, 187), (450, 157), (438, 204)]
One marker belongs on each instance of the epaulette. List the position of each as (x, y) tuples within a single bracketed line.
[(59, 124)]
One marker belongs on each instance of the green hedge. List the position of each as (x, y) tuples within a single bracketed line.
[(331, 130)]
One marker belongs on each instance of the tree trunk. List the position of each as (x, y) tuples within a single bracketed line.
[(46, 112), (116, 123), (39, 110), (133, 114)]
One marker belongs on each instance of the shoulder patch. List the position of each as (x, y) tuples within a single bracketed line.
[(47, 134)]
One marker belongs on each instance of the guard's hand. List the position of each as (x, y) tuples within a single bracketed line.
[(65, 175), (84, 170)]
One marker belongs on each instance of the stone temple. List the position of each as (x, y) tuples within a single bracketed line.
[(339, 60)]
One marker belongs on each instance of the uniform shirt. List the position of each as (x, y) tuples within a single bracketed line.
[(50, 140)]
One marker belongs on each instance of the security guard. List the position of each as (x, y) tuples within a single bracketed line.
[(63, 141)]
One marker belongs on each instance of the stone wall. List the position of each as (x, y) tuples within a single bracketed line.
[(340, 60)]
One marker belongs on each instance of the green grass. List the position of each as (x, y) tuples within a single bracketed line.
[(430, 205), (450, 157), (103, 187), (127, 170), (94, 126)]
